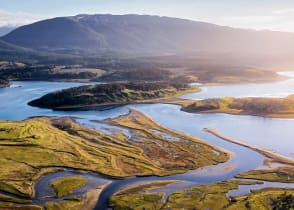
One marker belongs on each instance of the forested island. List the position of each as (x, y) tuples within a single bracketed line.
[(103, 96)]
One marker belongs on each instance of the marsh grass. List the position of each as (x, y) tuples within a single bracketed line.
[(211, 196), (67, 185)]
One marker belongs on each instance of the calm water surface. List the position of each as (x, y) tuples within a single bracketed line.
[(275, 89), (276, 134)]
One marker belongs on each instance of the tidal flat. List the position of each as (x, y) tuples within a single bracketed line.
[(162, 117), (35, 147)]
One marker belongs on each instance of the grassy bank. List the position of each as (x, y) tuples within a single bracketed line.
[(141, 196), (280, 174), (179, 152), (212, 196), (87, 201), (31, 148), (265, 107), (67, 185)]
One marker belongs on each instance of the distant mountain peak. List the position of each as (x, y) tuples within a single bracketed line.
[(145, 34)]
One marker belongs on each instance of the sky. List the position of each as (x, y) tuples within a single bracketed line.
[(253, 14)]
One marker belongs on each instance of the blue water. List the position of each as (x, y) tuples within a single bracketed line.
[(275, 89), (276, 134)]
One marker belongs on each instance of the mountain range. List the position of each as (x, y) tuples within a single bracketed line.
[(150, 35), (5, 30)]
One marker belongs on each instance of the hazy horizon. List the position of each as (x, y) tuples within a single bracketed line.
[(261, 15)]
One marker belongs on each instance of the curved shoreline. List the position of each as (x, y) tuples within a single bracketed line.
[(156, 102), (274, 157), (164, 91), (184, 103), (92, 196), (230, 154)]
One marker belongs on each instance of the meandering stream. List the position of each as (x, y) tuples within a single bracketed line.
[(276, 134)]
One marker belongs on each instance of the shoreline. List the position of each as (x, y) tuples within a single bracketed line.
[(5, 85), (229, 154), (155, 121), (92, 196), (268, 154), (166, 100), (111, 105), (184, 103), (147, 183)]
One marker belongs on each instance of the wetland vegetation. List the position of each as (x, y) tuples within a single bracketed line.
[(150, 149), (211, 196), (257, 106), (37, 146), (132, 162), (65, 186), (279, 174)]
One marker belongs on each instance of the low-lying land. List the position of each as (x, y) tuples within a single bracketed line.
[(65, 186), (203, 197), (74, 203), (141, 196), (265, 107), (33, 72), (280, 174), (103, 96), (31, 148), (182, 153), (87, 201), (123, 67)]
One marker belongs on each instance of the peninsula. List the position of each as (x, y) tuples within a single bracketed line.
[(264, 107), (104, 96)]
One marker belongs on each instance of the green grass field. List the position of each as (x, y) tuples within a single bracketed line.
[(281, 174), (32, 148), (211, 196), (266, 107), (67, 185)]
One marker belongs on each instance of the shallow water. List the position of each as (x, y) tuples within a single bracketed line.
[(272, 133), (245, 189), (45, 193), (276, 134)]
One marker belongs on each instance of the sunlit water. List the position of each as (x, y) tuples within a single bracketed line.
[(275, 134), (275, 89)]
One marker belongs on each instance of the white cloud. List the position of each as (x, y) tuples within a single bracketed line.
[(284, 11), (253, 22), (13, 19), (277, 21), (251, 19)]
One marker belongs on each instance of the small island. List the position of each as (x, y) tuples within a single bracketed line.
[(264, 107), (105, 96)]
